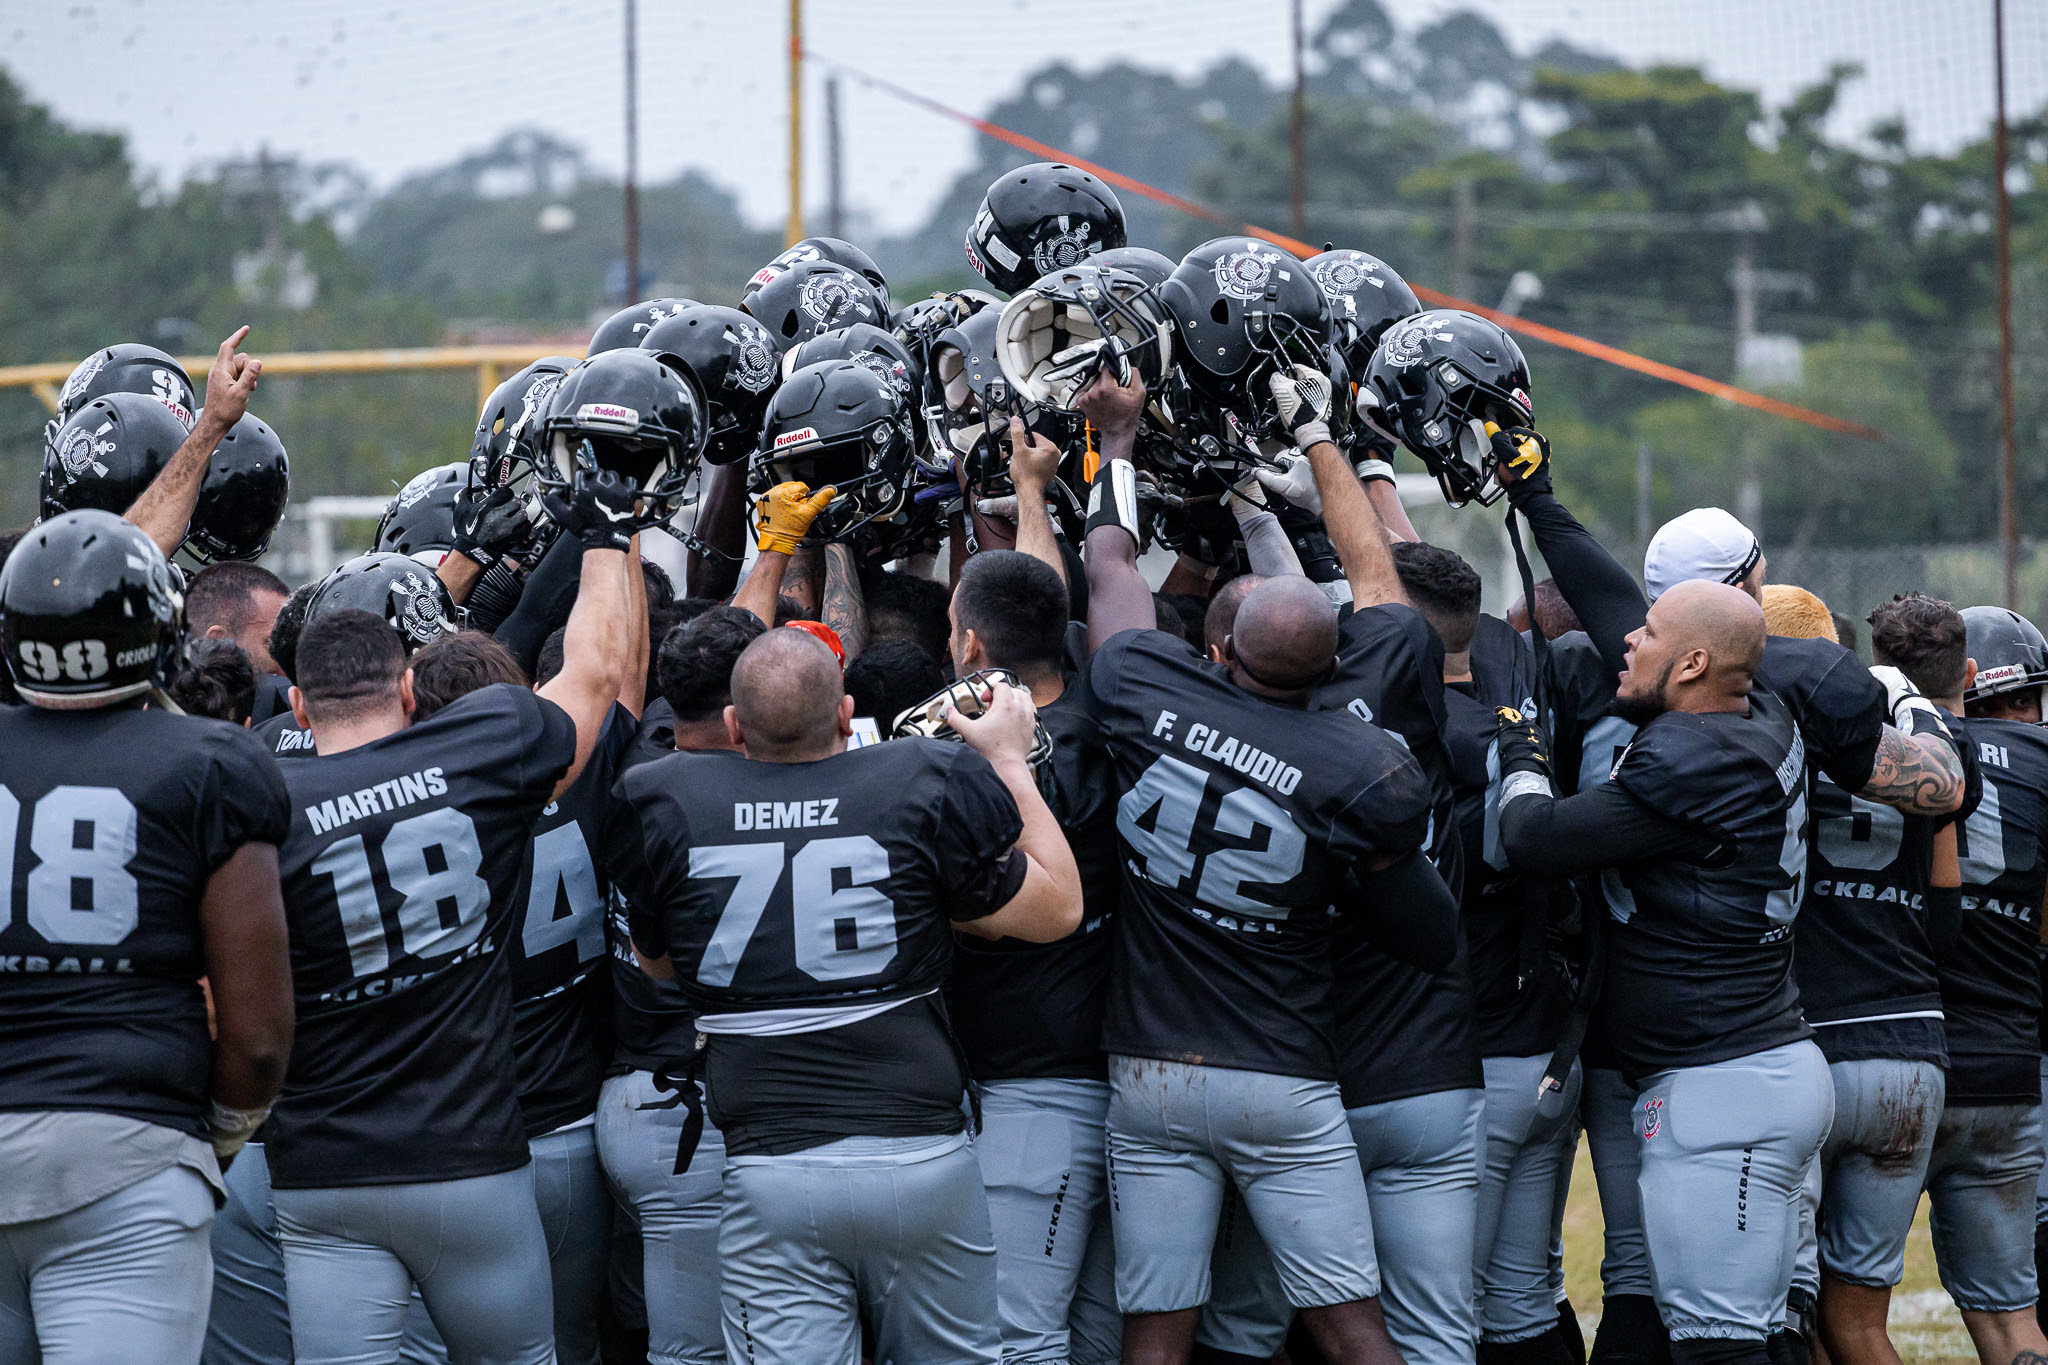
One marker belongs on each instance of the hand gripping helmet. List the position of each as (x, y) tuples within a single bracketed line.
[(130, 367), (90, 613), (2009, 651), (970, 418), (1436, 380), (396, 587), (811, 298), (248, 482), (107, 453), (634, 414), (1075, 307), (1151, 266), (1041, 218), (420, 520), (1244, 307), (732, 359), (1366, 298), (838, 423), (629, 325), (927, 719), (837, 250)]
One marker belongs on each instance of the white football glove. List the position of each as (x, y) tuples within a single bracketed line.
[(1303, 397), (1294, 481), (1909, 709)]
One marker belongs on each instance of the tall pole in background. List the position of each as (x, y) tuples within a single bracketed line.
[(1297, 140), (794, 232), (2008, 478), (835, 205), (632, 290)]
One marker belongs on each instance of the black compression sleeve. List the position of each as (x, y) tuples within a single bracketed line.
[(550, 593), (1944, 919), (1601, 592), (1414, 915), (1602, 827)]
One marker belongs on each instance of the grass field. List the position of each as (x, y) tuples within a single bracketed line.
[(1924, 1324)]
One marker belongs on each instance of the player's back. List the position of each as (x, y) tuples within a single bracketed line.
[(111, 823)]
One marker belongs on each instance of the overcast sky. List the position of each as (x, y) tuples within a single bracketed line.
[(399, 87)]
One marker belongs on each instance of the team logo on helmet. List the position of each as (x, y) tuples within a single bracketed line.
[(1404, 344), (753, 359), (885, 368), (828, 297), (1339, 278), (417, 488), (655, 313), (88, 369), (1070, 246), (420, 614), (1243, 275), (79, 450)]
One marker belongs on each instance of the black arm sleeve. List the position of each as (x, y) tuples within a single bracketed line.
[(1601, 592), (1598, 828), (1944, 919), (550, 593), (1414, 915)]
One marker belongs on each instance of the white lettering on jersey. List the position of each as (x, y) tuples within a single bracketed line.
[(1235, 754), (1164, 725), (385, 796), (784, 814)]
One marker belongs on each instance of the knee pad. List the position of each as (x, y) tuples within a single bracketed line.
[(1546, 1348), (1574, 1335), (1717, 1351), (1631, 1333)]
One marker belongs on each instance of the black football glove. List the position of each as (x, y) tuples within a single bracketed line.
[(597, 511), (1524, 453), (489, 524), (1523, 746)]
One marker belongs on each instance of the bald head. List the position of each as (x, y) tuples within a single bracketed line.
[(1725, 621), (1221, 617), (786, 694), (1698, 651), (1284, 635)]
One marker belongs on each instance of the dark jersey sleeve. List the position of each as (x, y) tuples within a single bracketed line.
[(634, 856), (1388, 817), (244, 801), (1839, 706), (1602, 593), (1603, 826), (544, 603), (547, 740), (977, 840)]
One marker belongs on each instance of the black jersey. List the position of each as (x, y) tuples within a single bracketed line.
[(1035, 1009), (111, 822), (1587, 738), (1239, 820), (652, 1025), (400, 884), (283, 737), (1990, 982), (1699, 964), (1401, 1030), (561, 979), (806, 910), (1864, 953)]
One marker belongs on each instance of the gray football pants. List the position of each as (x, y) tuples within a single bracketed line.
[(893, 1229), (1873, 1166), (1607, 1109), (249, 1324), (125, 1278), (1420, 1157), (1043, 1164), (1725, 1153), (678, 1216), (1525, 1163), (475, 1249), (576, 1215), (1986, 1161)]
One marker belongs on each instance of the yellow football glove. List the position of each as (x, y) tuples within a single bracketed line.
[(1522, 451), (783, 516)]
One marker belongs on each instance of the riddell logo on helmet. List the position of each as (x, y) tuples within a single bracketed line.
[(2002, 673), (764, 274), (797, 437), (609, 413)]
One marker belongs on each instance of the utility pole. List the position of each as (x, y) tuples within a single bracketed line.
[(1464, 207), (2008, 477), (794, 231), (1643, 486), (835, 206), (1297, 140), (632, 290)]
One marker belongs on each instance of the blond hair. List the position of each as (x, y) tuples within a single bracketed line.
[(1793, 611)]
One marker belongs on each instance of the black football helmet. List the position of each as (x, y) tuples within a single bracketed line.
[(1436, 380), (2010, 653), (396, 587), (248, 482), (868, 345), (635, 414), (507, 446), (970, 418), (107, 453), (420, 519), (1041, 218), (1074, 307), (1153, 267), (130, 367), (1366, 298), (837, 250), (629, 325), (1244, 307), (90, 613), (733, 360), (838, 423), (811, 298)]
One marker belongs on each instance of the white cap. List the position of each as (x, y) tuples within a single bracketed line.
[(1704, 543)]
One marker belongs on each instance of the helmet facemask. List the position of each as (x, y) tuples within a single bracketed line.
[(1055, 337)]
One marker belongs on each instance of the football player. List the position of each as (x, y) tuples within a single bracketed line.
[(814, 962), (1883, 906), (1218, 1025), (138, 849), (164, 511), (398, 1156), (1701, 839), (238, 601), (1987, 1150)]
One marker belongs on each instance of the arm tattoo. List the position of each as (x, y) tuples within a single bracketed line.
[(842, 607), (1919, 775), (801, 579)]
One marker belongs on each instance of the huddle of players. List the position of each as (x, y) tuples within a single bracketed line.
[(1201, 989)]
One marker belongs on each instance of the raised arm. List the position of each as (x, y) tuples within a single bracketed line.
[(1119, 598), (164, 511), (1601, 592), (1048, 904), (599, 637), (1034, 463), (1360, 540), (781, 522), (841, 606), (249, 972), (633, 672), (721, 528)]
